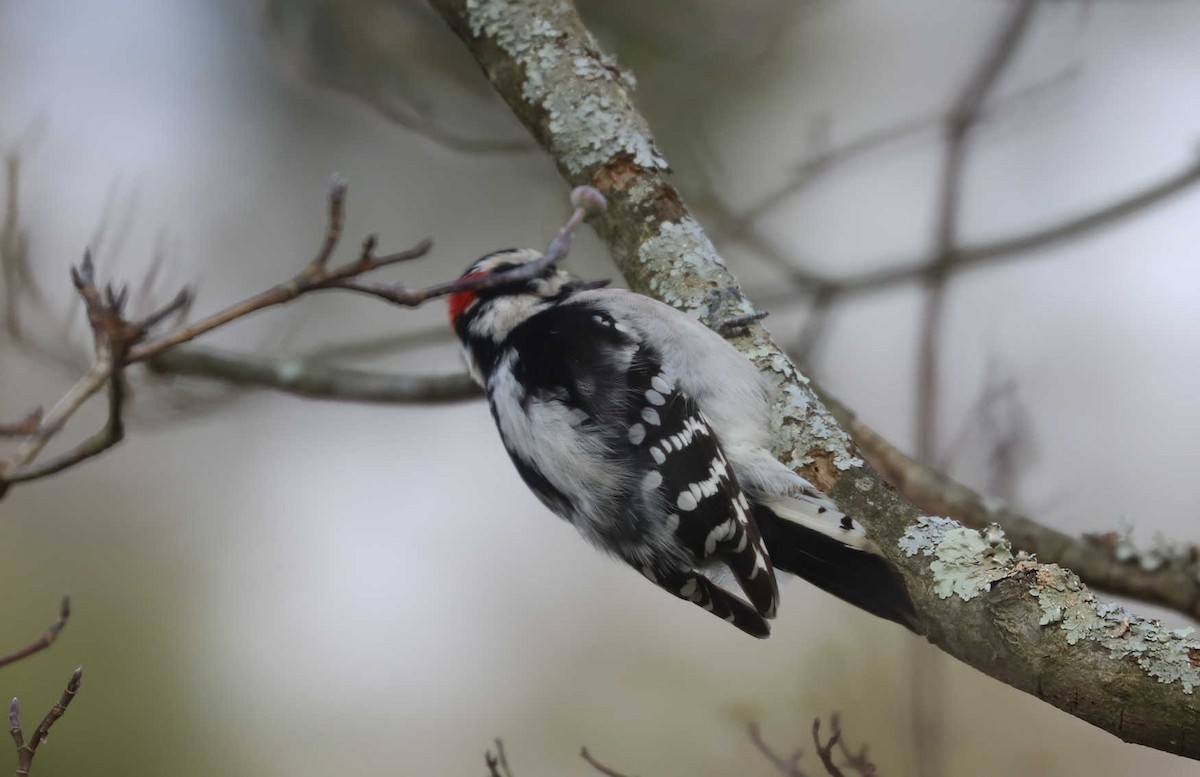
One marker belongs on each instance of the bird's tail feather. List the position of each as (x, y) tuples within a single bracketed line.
[(833, 553)]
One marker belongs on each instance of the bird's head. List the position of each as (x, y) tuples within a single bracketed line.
[(491, 313)]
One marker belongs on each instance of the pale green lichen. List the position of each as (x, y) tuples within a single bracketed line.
[(926, 534), (968, 562), (1168, 655), (586, 127)]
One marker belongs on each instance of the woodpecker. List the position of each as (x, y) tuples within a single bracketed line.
[(647, 431)]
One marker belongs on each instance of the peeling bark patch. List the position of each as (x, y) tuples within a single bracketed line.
[(968, 562), (821, 470), (668, 204), (617, 175)]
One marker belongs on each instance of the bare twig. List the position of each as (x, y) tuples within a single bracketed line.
[(409, 117), (972, 255), (27, 426), (961, 120), (316, 277), (591, 760), (120, 342), (497, 763), (825, 751), (44, 641), (315, 380), (27, 750), (789, 767)]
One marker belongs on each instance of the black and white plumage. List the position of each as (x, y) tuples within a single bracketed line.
[(646, 431)]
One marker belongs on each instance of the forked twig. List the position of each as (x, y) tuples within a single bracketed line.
[(27, 750), (121, 341), (497, 762)]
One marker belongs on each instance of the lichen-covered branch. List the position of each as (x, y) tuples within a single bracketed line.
[(1101, 561), (1033, 626)]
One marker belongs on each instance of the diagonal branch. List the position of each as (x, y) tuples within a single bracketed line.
[(1033, 626)]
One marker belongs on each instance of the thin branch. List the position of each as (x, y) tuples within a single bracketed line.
[(67, 405), (413, 120), (315, 381), (29, 425), (591, 760), (316, 277), (120, 341), (497, 763), (27, 750), (739, 225), (963, 117), (111, 433), (973, 255), (44, 641), (789, 767), (382, 345), (825, 751)]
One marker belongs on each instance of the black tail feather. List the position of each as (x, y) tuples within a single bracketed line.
[(859, 577)]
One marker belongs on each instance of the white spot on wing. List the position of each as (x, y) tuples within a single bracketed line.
[(686, 501), (650, 416), (652, 480), (657, 454), (637, 433), (654, 398), (719, 533)]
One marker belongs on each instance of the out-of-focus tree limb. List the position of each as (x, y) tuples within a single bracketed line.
[(789, 766), (1033, 626), (316, 381)]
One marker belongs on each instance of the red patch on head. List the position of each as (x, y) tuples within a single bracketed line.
[(461, 300)]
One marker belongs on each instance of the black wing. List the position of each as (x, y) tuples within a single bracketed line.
[(682, 507)]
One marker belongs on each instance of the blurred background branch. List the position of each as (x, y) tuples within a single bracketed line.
[(46, 640)]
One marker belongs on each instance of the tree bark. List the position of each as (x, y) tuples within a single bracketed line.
[(1033, 626)]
